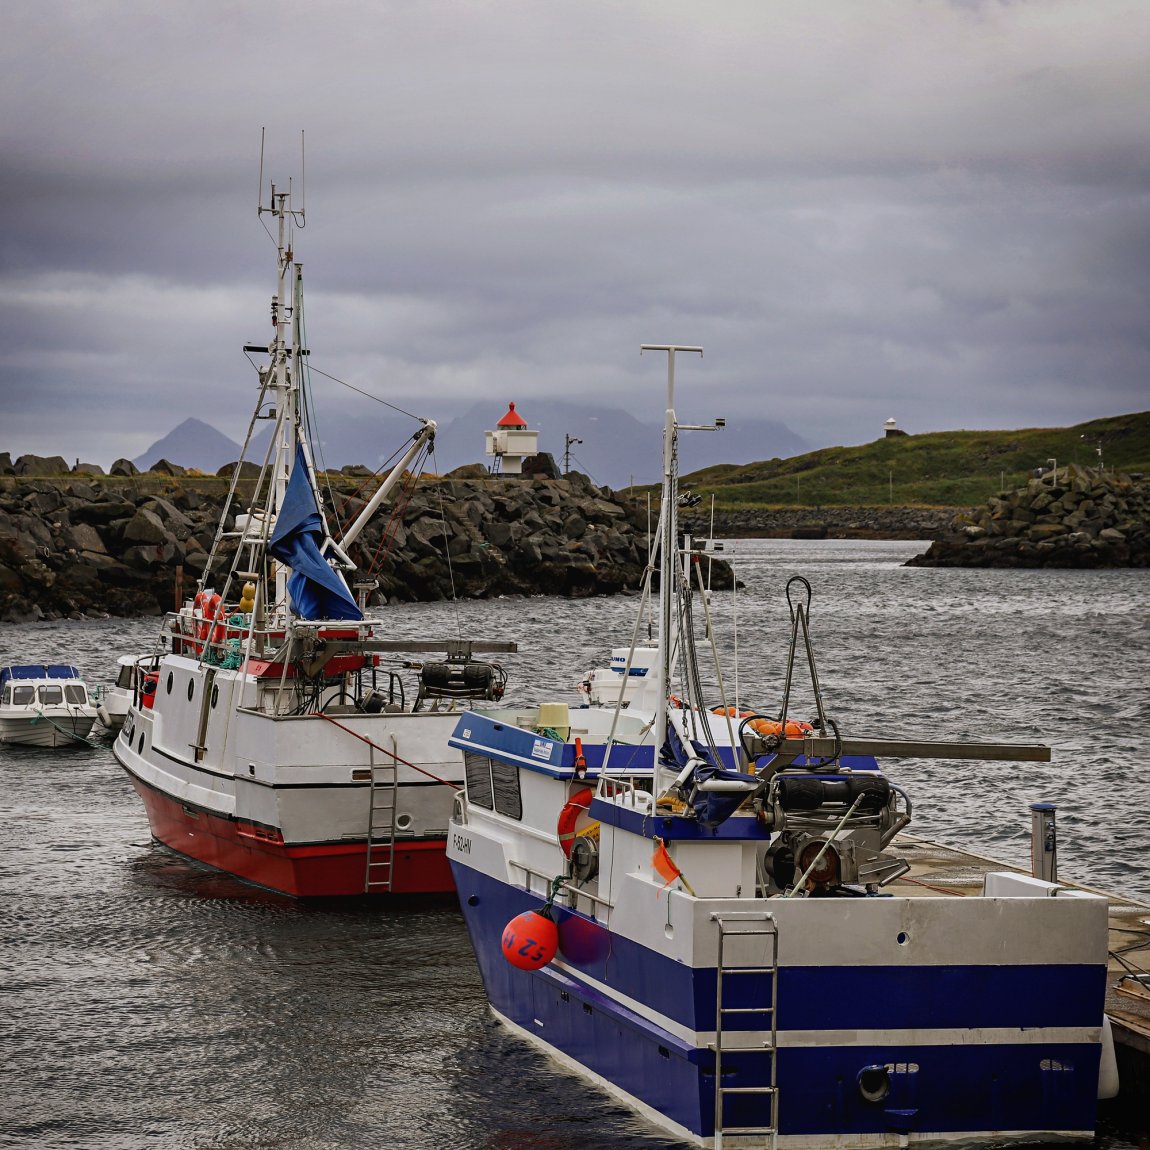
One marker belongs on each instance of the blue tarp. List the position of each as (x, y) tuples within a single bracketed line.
[(38, 671), (316, 591)]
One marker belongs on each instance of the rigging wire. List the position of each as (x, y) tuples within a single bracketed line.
[(367, 394)]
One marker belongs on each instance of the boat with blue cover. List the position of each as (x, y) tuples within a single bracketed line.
[(44, 705), (279, 731), (703, 910)]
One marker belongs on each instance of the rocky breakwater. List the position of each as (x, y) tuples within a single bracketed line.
[(1075, 517), (75, 542)]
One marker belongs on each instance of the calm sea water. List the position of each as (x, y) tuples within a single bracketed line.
[(148, 1003)]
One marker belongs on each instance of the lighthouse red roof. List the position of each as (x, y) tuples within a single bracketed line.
[(512, 419)]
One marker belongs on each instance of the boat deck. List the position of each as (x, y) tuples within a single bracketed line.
[(936, 869)]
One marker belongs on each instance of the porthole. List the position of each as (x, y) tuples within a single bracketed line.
[(168, 684), (191, 689), (215, 696), (403, 822), (140, 744), (902, 938)]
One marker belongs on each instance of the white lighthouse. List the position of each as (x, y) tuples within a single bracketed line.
[(510, 443)]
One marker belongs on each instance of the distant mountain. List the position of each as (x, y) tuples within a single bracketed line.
[(614, 449), (192, 444)]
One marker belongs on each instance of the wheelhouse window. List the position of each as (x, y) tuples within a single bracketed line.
[(477, 771), (505, 782), (50, 695), (23, 696), (124, 678), (75, 694), (493, 785), (6, 699)]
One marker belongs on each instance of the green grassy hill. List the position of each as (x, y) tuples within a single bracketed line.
[(942, 469)]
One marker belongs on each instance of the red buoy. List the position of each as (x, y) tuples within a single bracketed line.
[(530, 940)]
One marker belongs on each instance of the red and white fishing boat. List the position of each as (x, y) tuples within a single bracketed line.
[(267, 737)]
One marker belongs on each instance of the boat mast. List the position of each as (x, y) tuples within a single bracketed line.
[(668, 546), (284, 351)]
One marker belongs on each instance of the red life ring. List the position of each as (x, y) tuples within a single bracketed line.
[(578, 804)]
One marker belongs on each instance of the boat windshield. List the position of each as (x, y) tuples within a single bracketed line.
[(23, 696), (124, 678), (75, 694), (51, 694)]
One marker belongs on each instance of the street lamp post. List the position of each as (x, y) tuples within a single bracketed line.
[(567, 441)]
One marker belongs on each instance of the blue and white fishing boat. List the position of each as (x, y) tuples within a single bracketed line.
[(44, 705), (723, 935)]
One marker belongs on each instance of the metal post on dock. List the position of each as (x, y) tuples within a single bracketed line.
[(1043, 845)]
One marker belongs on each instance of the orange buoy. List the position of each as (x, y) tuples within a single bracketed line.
[(578, 804), (530, 939)]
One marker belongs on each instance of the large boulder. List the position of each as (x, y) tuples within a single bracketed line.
[(41, 465)]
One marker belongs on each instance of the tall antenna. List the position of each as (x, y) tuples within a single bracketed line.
[(260, 197), (298, 215)]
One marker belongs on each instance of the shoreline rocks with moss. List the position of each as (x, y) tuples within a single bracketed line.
[(1076, 517)]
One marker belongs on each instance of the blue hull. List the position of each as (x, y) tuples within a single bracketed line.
[(948, 1090)]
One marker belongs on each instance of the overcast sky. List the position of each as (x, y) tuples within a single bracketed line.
[(933, 211)]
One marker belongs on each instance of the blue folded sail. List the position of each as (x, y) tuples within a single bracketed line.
[(316, 591)]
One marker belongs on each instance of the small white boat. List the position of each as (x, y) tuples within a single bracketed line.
[(114, 702), (44, 705)]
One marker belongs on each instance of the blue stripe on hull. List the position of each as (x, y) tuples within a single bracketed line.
[(1041, 1087)]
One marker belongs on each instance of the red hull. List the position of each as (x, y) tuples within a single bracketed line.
[(319, 870)]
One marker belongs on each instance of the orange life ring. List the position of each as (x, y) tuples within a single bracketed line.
[(199, 612), (219, 616), (795, 730), (578, 804), (210, 606)]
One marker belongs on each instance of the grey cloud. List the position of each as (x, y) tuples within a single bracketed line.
[(935, 210)]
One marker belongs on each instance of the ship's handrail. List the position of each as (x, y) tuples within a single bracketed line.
[(573, 893)]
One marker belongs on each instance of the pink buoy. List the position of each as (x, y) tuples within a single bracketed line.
[(530, 940)]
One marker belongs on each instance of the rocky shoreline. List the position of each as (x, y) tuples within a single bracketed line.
[(76, 543), (82, 544), (1072, 517)]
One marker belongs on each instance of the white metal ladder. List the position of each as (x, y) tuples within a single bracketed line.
[(378, 871), (737, 962)]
